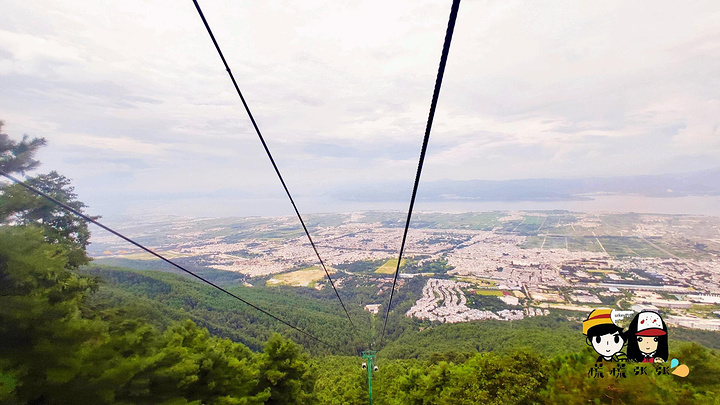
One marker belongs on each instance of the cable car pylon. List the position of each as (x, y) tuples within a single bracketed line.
[(369, 356)]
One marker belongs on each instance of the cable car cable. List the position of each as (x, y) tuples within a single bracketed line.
[(433, 104), (267, 150), (87, 218)]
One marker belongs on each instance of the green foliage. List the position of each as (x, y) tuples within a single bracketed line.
[(186, 363), (546, 335), (285, 372), (361, 266), (58, 349), (705, 338), (484, 378), (171, 297), (43, 333), (17, 157), (704, 365), (340, 381), (220, 277), (60, 227), (570, 382), (438, 267), (487, 302), (522, 377)]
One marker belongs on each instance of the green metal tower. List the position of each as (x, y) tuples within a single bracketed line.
[(369, 355)]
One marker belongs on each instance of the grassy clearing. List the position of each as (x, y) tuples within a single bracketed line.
[(480, 282), (389, 266), (300, 278), (494, 293)]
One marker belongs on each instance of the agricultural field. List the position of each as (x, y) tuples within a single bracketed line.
[(479, 282), (533, 242), (299, 278), (555, 242), (493, 293), (530, 225), (389, 266), (584, 244), (629, 247), (478, 221)]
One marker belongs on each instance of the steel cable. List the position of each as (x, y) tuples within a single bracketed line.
[(87, 218), (433, 104), (267, 150)]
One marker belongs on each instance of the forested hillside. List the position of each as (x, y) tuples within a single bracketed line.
[(56, 348), (165, 297)]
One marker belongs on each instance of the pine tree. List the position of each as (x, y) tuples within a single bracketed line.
[(70, 232), (43, 333), (286, 373), (17, 157)]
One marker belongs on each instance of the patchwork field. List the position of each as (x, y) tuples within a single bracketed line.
[(494, 293), (299, 278), (389, 266)]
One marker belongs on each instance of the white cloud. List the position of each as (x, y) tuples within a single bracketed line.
[(701, 125), (122, 145)]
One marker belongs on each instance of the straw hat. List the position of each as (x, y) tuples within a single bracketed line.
[(597, 317)]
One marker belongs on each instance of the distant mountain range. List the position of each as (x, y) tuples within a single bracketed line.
[(701, 183)]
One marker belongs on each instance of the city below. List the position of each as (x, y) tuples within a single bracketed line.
[(484, 265)]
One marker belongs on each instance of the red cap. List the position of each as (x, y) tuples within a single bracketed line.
[(650, 324), (651, 332)]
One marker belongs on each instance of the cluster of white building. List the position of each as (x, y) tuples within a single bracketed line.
[(445, 301)]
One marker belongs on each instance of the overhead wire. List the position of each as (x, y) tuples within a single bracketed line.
[(159, 256), (423, 150), (267, 151)]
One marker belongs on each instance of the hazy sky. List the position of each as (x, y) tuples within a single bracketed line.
[(139, 112)]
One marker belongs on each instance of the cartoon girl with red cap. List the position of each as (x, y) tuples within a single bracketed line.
[(647, 338)]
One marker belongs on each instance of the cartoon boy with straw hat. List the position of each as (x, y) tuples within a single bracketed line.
[(604, 336)]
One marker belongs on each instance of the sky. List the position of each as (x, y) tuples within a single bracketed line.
[(139, 112)]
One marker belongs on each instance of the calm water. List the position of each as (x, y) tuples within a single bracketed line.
[(281, 206), (616, 203)]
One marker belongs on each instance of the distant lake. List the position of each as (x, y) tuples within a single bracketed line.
[(220, 207), (693, 205)]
